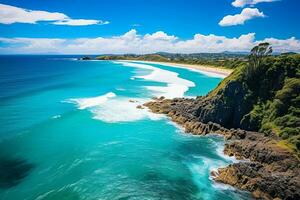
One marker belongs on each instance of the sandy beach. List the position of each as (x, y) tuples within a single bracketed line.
[(208, 70)]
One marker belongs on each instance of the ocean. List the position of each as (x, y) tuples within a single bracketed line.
[(71, 129)]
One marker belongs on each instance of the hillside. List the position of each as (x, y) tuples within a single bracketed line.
[(257, 109), (268, 100), (228, 60)]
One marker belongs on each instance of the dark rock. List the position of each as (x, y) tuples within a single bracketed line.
[(85, 58), (271, 172)]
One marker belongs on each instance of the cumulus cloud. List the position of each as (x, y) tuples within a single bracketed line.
[(246, 14), (132, 42), (242, 3), (11, 14), (160, 35)]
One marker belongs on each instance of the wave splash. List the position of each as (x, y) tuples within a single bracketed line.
[(84, 103), (110, 108)]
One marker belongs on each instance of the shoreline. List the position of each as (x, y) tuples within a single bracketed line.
[(261, 165), (208, 70)]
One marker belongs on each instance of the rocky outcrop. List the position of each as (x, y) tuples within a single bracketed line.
[(269, 171), (272, 172), (85, 58), (227, 107)]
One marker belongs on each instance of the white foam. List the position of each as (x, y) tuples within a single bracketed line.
[(175, 86), (110, 108), (84, 103), (205, 72), (56, 116), (203, 166), (208, 165), (222, 186), (179, 129), (220, 152), (122, 110), (200, 170), (169, 91)]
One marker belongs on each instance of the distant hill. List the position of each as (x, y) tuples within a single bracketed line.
[(226, 60)]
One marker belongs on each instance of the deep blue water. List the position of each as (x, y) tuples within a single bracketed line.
[(71, 130)]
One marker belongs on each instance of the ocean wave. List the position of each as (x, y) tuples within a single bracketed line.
[(56, 116), (84, 103), (123, 110), (176, 86), (110, 108), (200, 169), (220, 152), (201, 166), (204, 72), (169, 91)]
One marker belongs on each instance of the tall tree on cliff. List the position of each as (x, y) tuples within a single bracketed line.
[(257, 53)]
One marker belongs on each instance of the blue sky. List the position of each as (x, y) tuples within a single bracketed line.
[(179, 18)]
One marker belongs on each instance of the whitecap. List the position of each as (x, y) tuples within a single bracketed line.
[(56, 116), (175, 86), (207, 72), (123, 110), (84, 103), (110, 108)]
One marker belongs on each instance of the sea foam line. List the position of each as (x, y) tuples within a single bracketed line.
[(175, 86), (84, 103), (205, 72), (111, 109)]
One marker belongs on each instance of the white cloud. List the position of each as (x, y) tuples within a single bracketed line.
[(160, 35), (242, 3), (132, 42), (11, 14), (280, 45), (80, 22), (246, 14)]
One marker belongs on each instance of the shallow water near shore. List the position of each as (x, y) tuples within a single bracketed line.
[(71, 130)]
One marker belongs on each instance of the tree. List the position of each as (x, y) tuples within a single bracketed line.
[(257, 53)]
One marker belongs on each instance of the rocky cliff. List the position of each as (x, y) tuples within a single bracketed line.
[(259, 124)]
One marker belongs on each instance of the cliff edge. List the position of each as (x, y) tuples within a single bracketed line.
[(257, 109)]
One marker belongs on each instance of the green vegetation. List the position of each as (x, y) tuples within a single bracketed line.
[(147, 57), (269, 84), (272, 94), (227, 60), (280, 112)]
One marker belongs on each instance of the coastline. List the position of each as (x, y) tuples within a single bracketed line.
[(267, 165), (213, 71)]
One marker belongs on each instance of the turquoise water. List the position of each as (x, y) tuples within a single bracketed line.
[(71, 130)]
